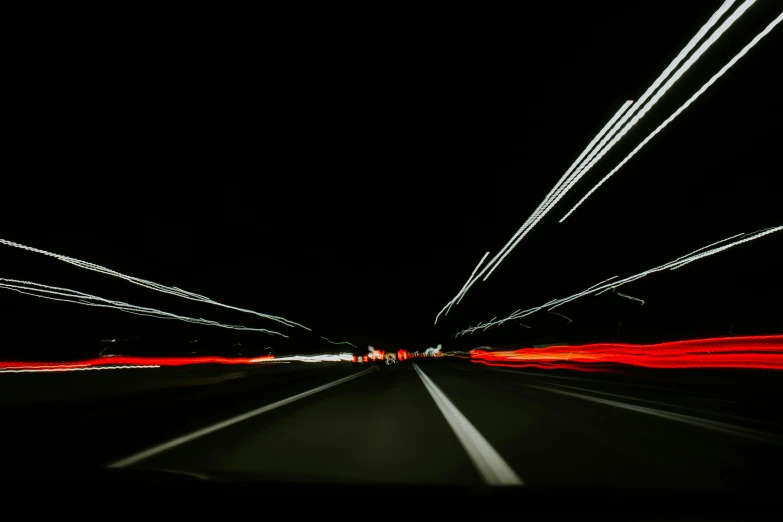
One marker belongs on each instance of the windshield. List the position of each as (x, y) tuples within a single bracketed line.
[(531, 246)]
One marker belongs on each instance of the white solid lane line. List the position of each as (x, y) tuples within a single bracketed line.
[(133, 459), (493, 469), (738, 431)]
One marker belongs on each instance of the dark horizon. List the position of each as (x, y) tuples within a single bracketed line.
[(349, 176)]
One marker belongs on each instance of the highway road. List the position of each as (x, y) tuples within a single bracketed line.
[(432, 421)]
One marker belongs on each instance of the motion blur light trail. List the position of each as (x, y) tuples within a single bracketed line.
[(171, 290), (118, 362), (345, 357), (121, 361), (66, 368), (537, 214), (622, 127), (761, 352), (615, 130), (612, 284), (335, 342), (67, 295), (623, 130), (458, 297), (684, 106)]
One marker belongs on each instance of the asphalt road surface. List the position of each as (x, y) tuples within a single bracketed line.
[(423, 422)]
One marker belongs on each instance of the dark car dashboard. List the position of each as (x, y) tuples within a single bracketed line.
[(198, 494)]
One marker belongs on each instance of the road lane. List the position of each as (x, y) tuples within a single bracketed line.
[(381, 428), (385, 427), (720, 394), (494, 470), (94, 430), (184, 439), (554, 439)]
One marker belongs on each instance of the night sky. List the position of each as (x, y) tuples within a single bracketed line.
[(347, 169)]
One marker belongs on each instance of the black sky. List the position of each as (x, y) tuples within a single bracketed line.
[(348, 168)]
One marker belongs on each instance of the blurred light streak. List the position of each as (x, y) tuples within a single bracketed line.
[(341, 342), (693, 98), (543, 207), (347, 357), (620, 128), (462, 291), (624, 128), (715, 243), (615, 277), (611, 284), (126, 362), (564, 317), (76, 297), (752, 352), (122, 361), (725, 247), (631, 298), (433, 352), (467, 285), (171, 290), (78, 368), (571, 177)]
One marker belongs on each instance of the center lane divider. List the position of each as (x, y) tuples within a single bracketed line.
[(160, 448), (494, 470)]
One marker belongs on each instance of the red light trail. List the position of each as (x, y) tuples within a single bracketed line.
[(122, 362), (758, 352), (126, 362)]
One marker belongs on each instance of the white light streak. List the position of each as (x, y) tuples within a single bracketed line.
[(564, 317), (542, 207), (341, 342), (607, 286), (679, 111), (433, 351), (171, 290), (45, 369), (602, 282), (724, 247), (346, 357), (465, 288), (618, 129), (631, 298), (73, 296), (621, 126), (540, 211), (563, 186), (711, 245), (462, 291)]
